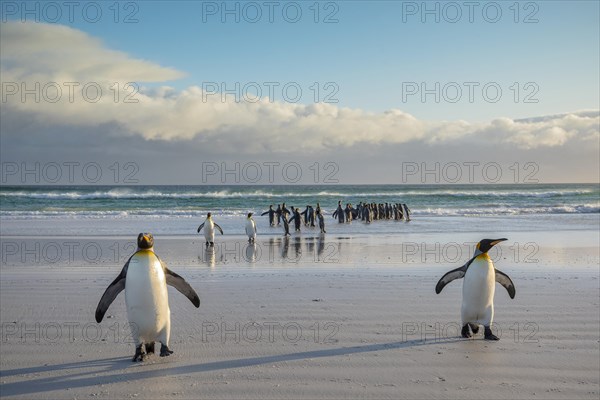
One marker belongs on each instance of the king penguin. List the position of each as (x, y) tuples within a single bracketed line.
[(209, 230), (250, 228), (145, 278), (478, 289)]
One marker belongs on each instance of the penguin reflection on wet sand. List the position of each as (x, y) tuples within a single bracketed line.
[(478, 289)]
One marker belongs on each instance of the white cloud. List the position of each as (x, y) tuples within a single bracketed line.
[(53, 53), (64, 54), (550, 131)]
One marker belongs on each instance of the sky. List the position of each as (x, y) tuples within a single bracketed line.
[(372, 87)]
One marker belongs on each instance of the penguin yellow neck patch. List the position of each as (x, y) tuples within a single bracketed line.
[(144, 251)]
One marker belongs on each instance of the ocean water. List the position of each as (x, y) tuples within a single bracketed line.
[(178, 210)]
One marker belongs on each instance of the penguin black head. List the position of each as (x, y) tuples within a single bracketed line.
[(208, 215), (145, 241), (486, 244), (249, 215)]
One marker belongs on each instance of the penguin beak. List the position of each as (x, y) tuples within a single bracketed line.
[(146, 241), (495, 242)]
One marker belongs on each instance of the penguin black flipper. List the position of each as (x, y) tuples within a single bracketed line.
[(448, 277), (291, 219), (111, 293), (200, 227), (505, 281), (181, 285), (219, 228)]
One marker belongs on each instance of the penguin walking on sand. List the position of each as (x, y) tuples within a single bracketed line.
[(209, 230), (250, 228), (145, 278), (478, 289)]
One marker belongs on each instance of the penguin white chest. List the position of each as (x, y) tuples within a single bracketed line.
[(146, 295), (478, 291), (209, 231), (250, 228)]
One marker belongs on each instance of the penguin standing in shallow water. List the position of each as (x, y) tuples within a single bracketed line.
[(297, 218), (144, 279), (406, 212), (321, 221), (478, 289), (250, 228), (339, 213), (271, 214), (286, 225), (209, 229)]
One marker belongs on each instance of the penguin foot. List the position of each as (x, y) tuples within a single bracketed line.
[(489, 335), (140, 353), (206, 244), (212, 244), (150, 348), (474, 328), (466, 332), (165, 351)]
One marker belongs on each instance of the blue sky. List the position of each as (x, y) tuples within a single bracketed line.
[(370, 52), (373, 62)]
